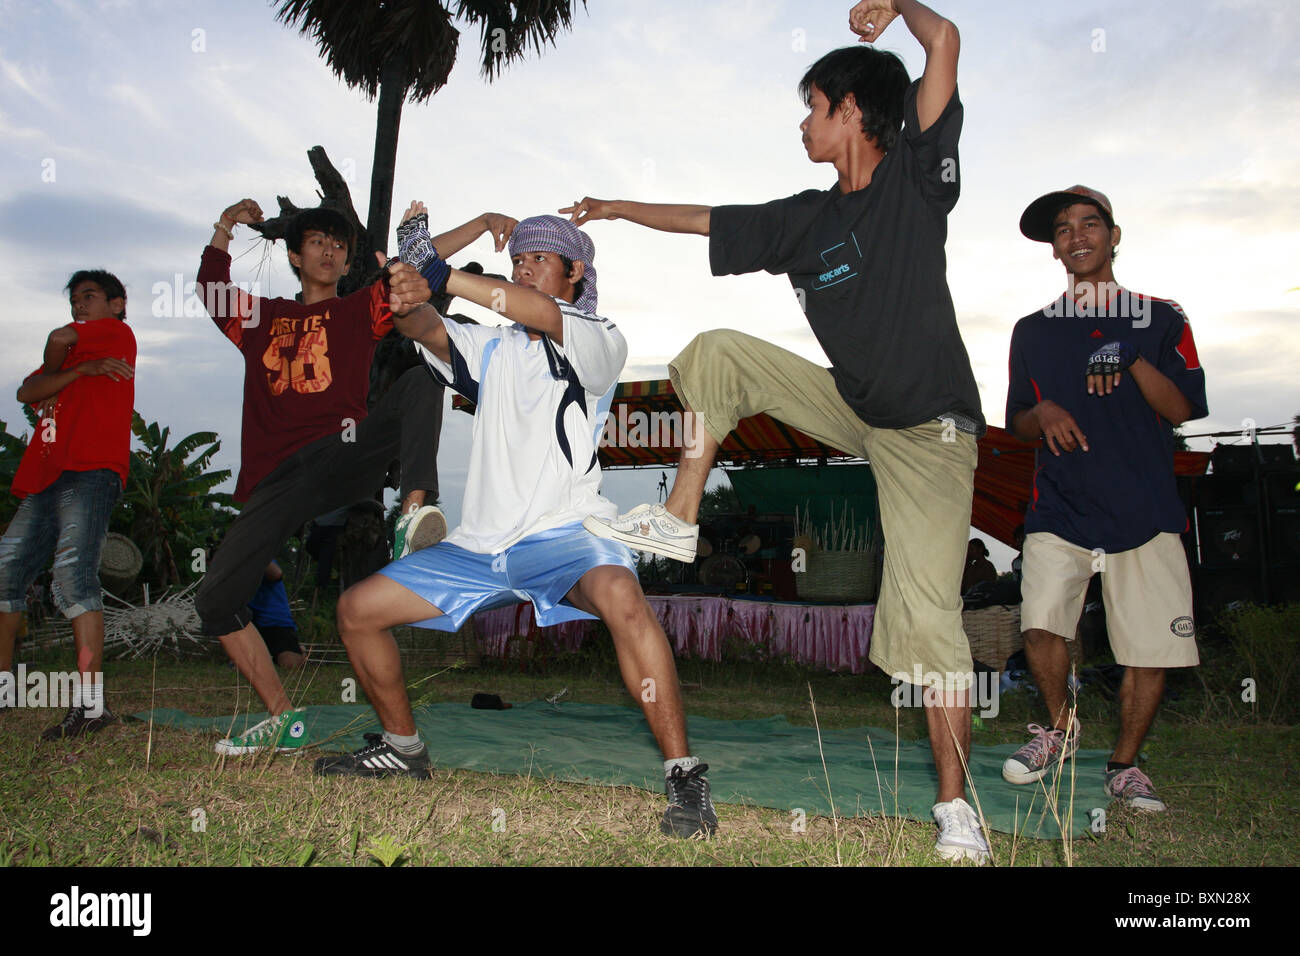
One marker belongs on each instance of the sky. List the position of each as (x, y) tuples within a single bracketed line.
[(126, 126)]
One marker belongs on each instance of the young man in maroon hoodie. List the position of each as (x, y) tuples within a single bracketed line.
[(308, 445)]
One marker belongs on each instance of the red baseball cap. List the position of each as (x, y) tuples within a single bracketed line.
[(1036, 222)]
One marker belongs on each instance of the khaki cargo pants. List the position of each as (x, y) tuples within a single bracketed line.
[(925, 476)]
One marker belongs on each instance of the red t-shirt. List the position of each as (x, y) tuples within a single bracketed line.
[(306, 367), (90, 426)]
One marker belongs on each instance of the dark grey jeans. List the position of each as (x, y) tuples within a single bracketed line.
[(322, 476)]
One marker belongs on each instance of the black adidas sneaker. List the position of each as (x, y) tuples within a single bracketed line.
[(376, 759)]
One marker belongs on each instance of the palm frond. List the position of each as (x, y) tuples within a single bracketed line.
[(508, 29), (357, 38)]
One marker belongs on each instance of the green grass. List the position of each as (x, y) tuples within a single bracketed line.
[(129, 796)]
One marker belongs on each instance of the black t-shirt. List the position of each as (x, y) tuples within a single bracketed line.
[(869, 270)]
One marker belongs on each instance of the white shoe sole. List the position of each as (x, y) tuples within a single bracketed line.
[(955, 853), (430, 529), (640, 543), (1015, 772), (1145, 804), (227, 749)]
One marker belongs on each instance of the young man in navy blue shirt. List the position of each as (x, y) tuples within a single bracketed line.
[(1101, 376)]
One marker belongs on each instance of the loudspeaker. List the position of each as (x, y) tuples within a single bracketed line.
[(1234, 459), (1277, 457), (1244, 459), (1213, 588), (1187, 495), (1284, 583), (1229, 537), (1236, 563), (1227, 491)]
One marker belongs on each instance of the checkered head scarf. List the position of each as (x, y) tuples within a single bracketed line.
[(553, 234)]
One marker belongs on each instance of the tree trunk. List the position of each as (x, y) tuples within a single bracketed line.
[(392, 93), (334, 194)]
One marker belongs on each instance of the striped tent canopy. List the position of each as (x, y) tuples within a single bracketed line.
[(653, 408), (644, 432)]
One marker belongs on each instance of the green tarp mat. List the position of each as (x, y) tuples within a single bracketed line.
[(768, 762)]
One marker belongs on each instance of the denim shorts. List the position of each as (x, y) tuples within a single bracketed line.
[(69, 518)]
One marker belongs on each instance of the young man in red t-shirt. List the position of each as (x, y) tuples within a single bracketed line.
[(70, 477), (308, 445)]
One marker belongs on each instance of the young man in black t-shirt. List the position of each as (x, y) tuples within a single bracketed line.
[(866, 260)]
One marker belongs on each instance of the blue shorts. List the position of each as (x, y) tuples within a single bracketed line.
[(541, 568)]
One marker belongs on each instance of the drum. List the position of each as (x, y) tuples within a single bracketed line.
[(724, 571)]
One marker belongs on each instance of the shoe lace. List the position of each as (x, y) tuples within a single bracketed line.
[(374, 743), (953, 816), (73, 715), (1133, 781), (264, 729), (687, 786), (1044, 742)]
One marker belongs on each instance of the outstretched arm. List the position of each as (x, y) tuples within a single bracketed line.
[(518, 303), (526, 306), (408, 299), (424, 325), (454, 240), (937, 36), (537, 310), (665, 217)]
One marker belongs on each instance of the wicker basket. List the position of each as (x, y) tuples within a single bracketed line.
[(841, 577), (119, 562), (994, 634)]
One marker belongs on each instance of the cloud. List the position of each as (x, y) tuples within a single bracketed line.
[(137, 101), (1251, 208), (69, 224), (18, 78), (1187, 120)]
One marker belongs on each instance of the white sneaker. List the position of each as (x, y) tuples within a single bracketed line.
[(959, 832), (417, 530), (649, 528)]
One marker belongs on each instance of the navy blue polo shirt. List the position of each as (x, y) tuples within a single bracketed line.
[(1120, 493)]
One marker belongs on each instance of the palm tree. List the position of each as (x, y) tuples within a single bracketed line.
[(168, 507), (720, 500), (404, 50)]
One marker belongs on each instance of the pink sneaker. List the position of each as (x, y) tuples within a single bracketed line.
[(1041, 755)]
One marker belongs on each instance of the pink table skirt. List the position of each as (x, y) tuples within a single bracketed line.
[(833, 637)]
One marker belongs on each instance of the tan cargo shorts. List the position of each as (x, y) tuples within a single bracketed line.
[(1147, 592)]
